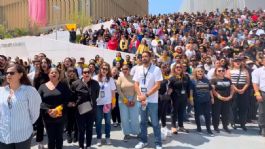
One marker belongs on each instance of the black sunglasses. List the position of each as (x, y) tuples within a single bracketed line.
[(10, 73), (106, 69), (86, 72), (221, 70)]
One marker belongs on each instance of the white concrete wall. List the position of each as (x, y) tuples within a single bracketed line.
[(27, 47)]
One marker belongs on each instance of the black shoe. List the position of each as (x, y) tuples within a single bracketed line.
[(244, 128), (210, 133), (69, 138), (75, 139), (227, 130), (217, 130), (199, 130), (182, 129), (234, 126)]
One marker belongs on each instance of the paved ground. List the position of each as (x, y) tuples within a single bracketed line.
[(237, 140)]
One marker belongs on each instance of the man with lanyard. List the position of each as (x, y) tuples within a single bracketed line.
[(258, 80), (147, 82)]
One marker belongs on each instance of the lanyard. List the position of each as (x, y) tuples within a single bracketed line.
[(145, 74)]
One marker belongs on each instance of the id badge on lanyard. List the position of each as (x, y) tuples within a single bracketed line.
[(143, 87), (102, 92)]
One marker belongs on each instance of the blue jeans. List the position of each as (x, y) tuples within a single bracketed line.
[(129, 118), (152, 111), (100, 116)]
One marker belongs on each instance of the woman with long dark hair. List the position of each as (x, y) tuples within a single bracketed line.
[(55, 97), (41, 77), (19, 109), (105, 101)]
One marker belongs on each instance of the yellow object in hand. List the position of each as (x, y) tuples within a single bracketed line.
[(125, 100), (113, 101), (59, 110)]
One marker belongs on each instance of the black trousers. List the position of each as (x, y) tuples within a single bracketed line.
[(39, 126), (163, 106), (240, 103), (115, 113), (55, 134), (85, 126), (71, 122), (179, 104), (21, 145), (205, 110), (222, 108), (252, 106)]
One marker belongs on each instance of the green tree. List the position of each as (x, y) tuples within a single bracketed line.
[(81, 20)]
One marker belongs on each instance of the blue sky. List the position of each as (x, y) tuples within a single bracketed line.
[(163, 6)]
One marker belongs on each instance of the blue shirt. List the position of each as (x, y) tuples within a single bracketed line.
[(16, 122)]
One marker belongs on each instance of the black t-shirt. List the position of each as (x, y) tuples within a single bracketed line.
[(222, 86), (201, 90), (53, 98), (2, 76), (178, 85)]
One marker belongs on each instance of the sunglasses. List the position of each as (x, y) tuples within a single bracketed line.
[(86, 72), (106, 69), (10, 73), (221, 70), (125, 68)]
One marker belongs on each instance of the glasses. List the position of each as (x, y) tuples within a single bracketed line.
[(105, 69), (178, 67), (125, 69), (86, 72), (10, 73), (221, 70)]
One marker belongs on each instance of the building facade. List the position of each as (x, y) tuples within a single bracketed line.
[(15, 13), (211, 5)]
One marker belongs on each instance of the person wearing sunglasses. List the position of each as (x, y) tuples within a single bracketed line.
[(85, 90), (240, 78), (71, 109), (105, 101), (201, 91), (19, 109), (223, 91), (179, 89)]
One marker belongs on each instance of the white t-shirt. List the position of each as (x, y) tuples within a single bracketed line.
[(108, 87), (153, 75)]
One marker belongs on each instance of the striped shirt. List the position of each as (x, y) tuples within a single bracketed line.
[(242, 77), (16, 122)]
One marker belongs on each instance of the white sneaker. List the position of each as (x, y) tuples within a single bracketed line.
[(99, 142), (140, 145), (108, 141), (158, 147)]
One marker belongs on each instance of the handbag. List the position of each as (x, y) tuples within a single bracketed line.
[(84, 107)]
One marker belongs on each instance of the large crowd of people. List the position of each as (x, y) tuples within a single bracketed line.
[(211, 64)]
